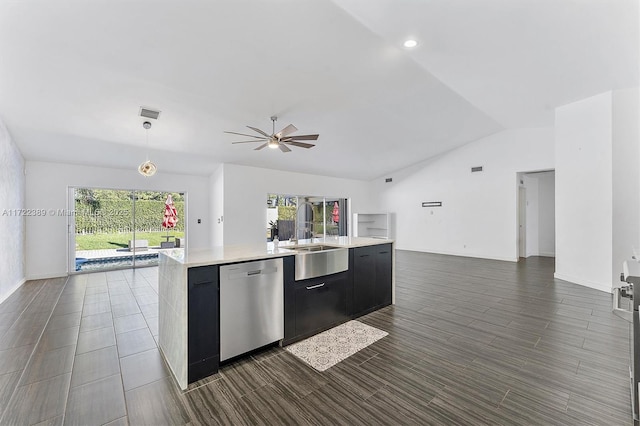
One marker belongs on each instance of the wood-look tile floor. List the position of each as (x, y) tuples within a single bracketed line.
[(470, 341)]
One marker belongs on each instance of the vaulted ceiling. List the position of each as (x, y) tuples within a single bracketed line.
[(73, 75)]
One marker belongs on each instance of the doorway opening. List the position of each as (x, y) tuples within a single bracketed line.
[(536, 214), (116, 229)]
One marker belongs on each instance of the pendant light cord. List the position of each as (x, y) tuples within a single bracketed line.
[(147, 126), (147, 137)]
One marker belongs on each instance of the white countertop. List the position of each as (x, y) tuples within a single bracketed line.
[(246, 252)]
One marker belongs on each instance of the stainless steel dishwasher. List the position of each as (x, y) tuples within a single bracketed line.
[(251, 306)]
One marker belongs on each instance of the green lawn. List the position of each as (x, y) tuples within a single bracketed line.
[(115, 241)]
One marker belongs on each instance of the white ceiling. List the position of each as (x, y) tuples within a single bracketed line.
[(73, 75)]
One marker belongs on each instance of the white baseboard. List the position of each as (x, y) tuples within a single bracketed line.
[(541, 254), (586, 283), (12, 290), (47, 276), (474, 255)]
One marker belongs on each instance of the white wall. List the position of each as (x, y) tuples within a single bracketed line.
[(584, 192), (46, 188), (478, 216), (245, 197), (216, 185), (626, 177), (12, 190), (597, 187)]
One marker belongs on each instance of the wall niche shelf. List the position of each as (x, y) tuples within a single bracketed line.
[(372, 225)]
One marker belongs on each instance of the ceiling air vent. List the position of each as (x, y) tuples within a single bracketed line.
[(387, 180), (149, 113), (476, 169)]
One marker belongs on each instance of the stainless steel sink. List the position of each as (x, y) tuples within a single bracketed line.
[(319, 260), (310, 247), (316, 248)]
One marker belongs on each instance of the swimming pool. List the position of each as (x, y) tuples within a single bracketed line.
[(101, 263)]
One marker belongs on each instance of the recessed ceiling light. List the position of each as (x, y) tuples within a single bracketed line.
[(410, 43)]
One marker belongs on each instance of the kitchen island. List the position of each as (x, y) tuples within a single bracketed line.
[(190, 298)]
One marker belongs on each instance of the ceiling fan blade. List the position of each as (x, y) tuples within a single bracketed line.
[(244, 134), (257, 140), (261, 146), (287, 130), (284, 148), (303, 138), (259, 131), (300, 144)]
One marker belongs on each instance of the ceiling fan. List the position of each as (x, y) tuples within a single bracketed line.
[(278, 140)]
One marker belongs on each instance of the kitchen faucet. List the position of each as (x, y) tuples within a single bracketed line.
[(294, 237)]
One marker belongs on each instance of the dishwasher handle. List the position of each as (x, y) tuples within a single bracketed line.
[(315, 286), (235, 273)]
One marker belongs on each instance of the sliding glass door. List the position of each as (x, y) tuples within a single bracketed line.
[(114, 229)]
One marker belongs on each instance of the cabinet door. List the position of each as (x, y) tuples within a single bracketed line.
[(203, 322), (383, 275), (364, 275), (320, 303)]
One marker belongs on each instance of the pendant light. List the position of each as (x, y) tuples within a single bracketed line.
[(147, 169)]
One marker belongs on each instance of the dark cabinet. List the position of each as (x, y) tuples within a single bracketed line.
[(313, 305), (203, 322), (317, 304), (320, 303), (382, 292), (371, 278), (364, 276)]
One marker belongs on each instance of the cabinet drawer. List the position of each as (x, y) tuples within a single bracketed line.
[(320, 303)]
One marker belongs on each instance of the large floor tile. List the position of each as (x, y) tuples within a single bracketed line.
[(98, 402), (142, 368), (95, 365), (129, 323), (94, 322), (45, 365), (38, 401), (96, 339), (135, 341), (158, 403)]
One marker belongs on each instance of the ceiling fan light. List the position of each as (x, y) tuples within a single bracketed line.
[(147, 169), (273, 144), (410, 43)]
